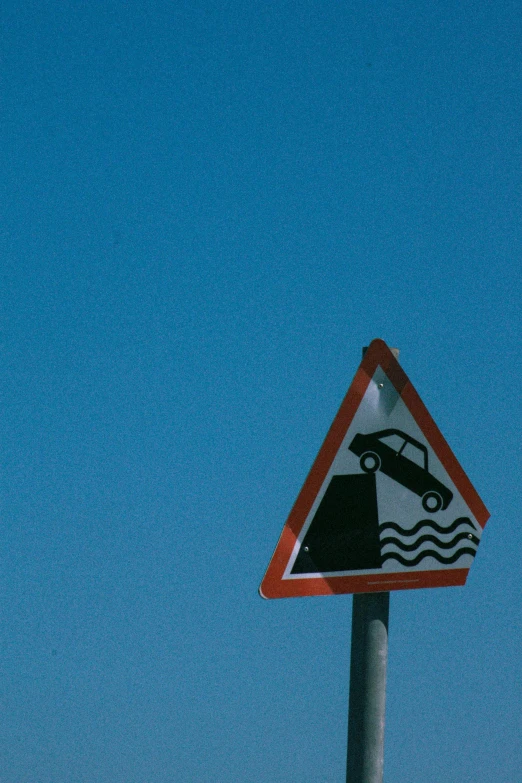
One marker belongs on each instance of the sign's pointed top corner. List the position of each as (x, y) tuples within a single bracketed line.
[(380, 345), (378, 352)]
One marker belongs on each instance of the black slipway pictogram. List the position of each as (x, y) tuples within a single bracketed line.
[(345, 534)]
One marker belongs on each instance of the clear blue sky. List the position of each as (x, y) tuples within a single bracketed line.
[(208, 208)]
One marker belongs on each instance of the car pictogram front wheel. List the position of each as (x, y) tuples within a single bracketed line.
[(370, 462), (431, 502)]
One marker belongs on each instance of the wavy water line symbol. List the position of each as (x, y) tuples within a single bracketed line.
[(427, 523), (432, 539), (429, 553), (470, 540)]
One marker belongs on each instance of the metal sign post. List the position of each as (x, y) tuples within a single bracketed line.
[(367, 701), (369, 657)]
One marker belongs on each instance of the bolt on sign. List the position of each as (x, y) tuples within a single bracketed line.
[(386, 505)]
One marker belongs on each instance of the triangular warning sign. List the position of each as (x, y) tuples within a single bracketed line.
[(386, 505)]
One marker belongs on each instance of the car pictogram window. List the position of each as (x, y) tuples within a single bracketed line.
[(394, 441), (415, 454)]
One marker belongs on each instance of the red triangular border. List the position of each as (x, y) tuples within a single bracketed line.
[(274, 586)]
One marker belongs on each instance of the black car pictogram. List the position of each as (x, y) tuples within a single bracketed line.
[(405, 460)]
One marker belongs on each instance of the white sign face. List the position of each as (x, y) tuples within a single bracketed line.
[(423, 521), (386, 504)]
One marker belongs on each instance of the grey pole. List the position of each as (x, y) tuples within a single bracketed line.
[(368, 661), (369, 657)]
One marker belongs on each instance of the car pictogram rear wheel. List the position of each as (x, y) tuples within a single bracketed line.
[(370, 462), (431, 502)]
